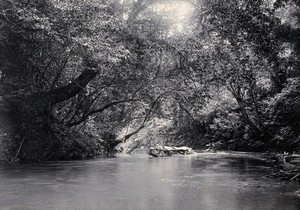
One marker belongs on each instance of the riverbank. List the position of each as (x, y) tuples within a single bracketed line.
[(286, 167), (6, 136), (72, 145)]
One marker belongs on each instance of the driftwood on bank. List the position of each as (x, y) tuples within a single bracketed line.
[(287, 168), (163, 151), (288, 175)]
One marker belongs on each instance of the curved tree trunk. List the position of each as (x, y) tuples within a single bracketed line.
[(66, 92)]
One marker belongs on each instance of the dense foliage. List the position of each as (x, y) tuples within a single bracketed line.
[(255, 60), (79, 77)]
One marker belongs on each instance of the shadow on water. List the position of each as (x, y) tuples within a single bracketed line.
[(203, 181)]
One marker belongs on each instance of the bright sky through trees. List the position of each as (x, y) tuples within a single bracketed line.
[(175, 16), (177, 13)]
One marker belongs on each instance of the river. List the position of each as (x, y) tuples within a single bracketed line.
[(218, 181)]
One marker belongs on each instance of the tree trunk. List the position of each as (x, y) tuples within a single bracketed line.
[(238, 97), (66, 92), (133, 146), (246, 116)]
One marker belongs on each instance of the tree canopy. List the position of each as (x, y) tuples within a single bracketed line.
[(79, 77)]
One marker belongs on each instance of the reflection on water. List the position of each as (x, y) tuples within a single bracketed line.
[(204, 181)]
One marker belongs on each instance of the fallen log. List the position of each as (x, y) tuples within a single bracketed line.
[(164, 151)]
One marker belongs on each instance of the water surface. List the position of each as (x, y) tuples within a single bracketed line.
[(205, 181)]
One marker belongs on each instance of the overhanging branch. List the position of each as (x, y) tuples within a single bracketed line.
[(84, 118)]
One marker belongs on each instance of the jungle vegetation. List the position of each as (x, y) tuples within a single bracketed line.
[(79, 77)]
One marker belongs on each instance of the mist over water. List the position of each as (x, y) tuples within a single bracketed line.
[(202, 181)]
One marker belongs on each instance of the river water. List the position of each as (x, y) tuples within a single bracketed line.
[(217, 181)]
